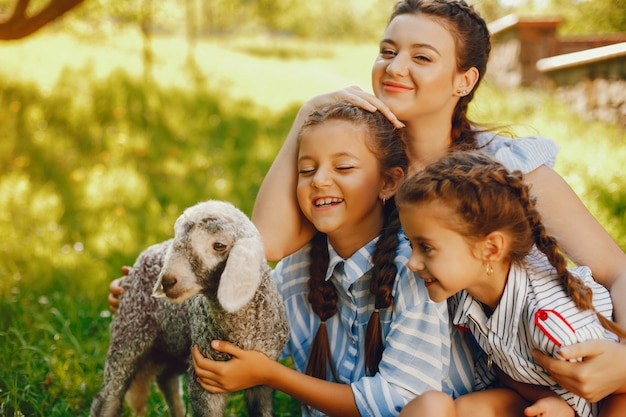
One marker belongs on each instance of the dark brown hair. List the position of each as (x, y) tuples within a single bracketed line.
[(472, 44), (486, 197), (386, 143)]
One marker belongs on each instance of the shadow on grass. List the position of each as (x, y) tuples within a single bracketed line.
[(91, 173)]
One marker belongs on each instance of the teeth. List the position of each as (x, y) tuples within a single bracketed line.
[(327, 201)]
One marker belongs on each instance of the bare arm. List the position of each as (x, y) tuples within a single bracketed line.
[(586, 242), (249, 368), (276, 212), (580, 235)]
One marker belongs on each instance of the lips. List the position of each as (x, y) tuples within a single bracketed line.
[(394, 87)]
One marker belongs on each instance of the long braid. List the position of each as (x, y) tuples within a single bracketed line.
[(383, 277), (579, 292), (487, 198), (323, 299)]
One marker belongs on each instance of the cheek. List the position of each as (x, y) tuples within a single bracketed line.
[(302, 194)]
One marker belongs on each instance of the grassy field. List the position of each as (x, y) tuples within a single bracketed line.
[(97, 160)]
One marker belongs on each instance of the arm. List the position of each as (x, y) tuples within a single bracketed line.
[(248, 368), (600, 374), (276, 213), (543, 401), (580, 235)]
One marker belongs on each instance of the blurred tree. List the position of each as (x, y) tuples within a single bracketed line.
[(19, 24)]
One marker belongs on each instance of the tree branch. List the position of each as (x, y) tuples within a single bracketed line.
[(19, 25)]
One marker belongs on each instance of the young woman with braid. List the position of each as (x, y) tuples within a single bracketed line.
[(364, 337), (476, 236)]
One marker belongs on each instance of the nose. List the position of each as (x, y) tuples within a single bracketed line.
[(397, 66), (321, 178), (168, 282), (415, 263)]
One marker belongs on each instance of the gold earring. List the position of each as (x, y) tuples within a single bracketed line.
[(489, 269)]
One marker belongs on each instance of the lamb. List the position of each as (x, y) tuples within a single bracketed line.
[(217, 254)]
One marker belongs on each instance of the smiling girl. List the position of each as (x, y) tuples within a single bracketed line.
[(478, 239)]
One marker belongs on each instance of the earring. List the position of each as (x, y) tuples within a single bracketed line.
[(462, 92), (489, 269), (384, 199)]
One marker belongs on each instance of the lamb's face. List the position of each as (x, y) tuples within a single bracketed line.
[(204, 236)]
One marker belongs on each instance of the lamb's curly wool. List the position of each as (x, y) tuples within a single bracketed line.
[(218, 253)]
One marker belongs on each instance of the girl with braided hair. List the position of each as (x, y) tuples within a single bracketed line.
[(364, 337), (477, 238)]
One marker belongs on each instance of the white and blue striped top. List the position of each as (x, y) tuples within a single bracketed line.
[(416, 331), (535, 312)]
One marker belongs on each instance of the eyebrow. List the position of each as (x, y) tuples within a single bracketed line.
[(335, 155), (415, 45)]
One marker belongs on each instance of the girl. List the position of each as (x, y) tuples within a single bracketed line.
[(364, 338), (477, 237), (432, 58)]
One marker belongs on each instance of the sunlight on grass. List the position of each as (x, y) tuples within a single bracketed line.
[(269, 81)]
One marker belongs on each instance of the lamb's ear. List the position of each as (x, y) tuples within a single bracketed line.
[(242, 274)]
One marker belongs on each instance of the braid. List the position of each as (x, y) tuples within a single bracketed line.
[(383, 277), (579, 292), (487, 198), (323, 299)]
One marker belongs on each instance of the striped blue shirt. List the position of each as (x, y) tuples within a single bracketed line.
[(416, 331), (535, 312)]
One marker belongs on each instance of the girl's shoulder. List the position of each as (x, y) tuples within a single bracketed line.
[(524, 153)]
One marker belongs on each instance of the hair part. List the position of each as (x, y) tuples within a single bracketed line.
[(486, 197), (386, 142)]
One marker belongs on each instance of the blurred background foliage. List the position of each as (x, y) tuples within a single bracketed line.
[(116, 117)]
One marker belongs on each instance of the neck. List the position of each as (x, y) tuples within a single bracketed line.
[(490, 289), (426, 143)]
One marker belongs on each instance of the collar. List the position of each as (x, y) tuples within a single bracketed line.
[(347, 271), (506, 316)]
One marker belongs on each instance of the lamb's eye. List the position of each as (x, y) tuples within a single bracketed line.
[(219, 247)]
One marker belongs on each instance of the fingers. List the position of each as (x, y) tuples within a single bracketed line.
[(581, 350), (357, 97), (125, 270), (226, 347)]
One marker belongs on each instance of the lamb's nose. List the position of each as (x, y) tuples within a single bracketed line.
[(168, 282)]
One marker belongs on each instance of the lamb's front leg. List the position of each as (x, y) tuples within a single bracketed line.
[(203, 403), (260, 401)]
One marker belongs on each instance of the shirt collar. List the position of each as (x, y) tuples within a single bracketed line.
[(506, 316), (347, 271)]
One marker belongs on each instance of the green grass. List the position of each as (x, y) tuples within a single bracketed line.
[(96, 162)]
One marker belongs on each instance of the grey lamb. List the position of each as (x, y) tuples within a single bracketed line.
[(218, 253)]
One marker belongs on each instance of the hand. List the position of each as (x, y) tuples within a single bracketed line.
[(602, 372), (356, 96), (244, 369), (552, 406), (115, 290)]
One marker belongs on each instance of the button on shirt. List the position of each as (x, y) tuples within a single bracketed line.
[(535, 312), (416, 330)]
